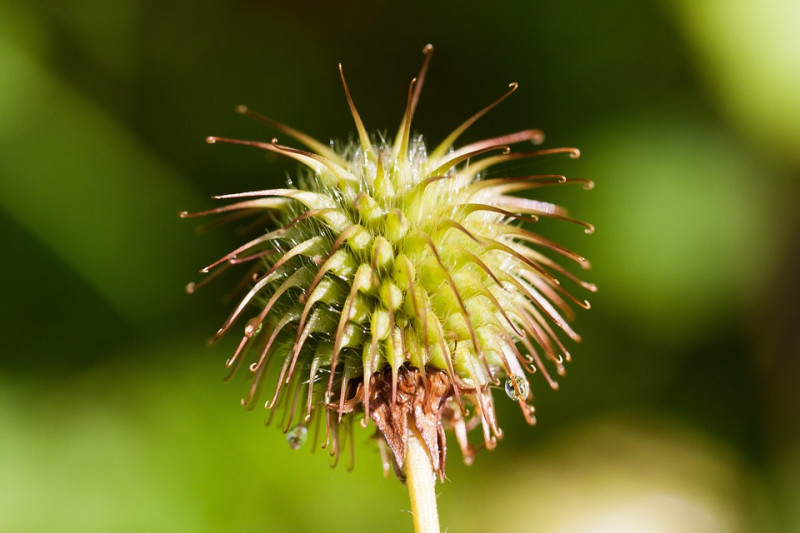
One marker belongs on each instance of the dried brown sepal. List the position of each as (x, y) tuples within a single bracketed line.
[(420, 399)]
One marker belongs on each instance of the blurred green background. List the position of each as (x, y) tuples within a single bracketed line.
[(681, 409)]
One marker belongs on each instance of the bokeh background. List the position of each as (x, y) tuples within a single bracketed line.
[(680, 411)]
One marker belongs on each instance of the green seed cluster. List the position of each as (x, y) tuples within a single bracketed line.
[(386, 257)]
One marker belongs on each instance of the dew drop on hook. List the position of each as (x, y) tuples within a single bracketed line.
[(253, 327), (297, 436), (521, 386)]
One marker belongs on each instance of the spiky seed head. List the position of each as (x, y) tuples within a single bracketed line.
[(398, 285)]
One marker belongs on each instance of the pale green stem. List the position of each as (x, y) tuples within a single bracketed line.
[(421, 482)]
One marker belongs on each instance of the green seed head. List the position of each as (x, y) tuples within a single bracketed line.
[(394, 283)]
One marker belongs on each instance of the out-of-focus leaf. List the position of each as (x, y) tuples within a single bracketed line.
[(90, 191), (688, 227), (749, 52), (621, 474)]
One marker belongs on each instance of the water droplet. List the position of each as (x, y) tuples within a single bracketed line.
[(522, 386), (297, 436), (253, 327)]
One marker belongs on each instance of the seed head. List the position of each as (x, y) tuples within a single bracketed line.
[(398, 285)]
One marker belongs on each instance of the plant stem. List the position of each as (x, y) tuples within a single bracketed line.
[(421, 481)]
